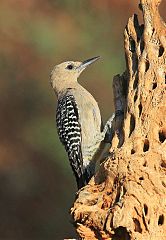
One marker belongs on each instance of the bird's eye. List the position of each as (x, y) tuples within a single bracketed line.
[(70, 67)]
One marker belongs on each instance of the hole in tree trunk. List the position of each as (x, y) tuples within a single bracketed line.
[(154, 85), (163, 164), (132, 124), (141, 178), (132, 45), (145, 164), (141, 28), (135, 84), (142, 44), (137, 225), (121, 234), (145, 209), (164, 184), (162, 135), (140, 109), (147, 65), (135, 97), (132, 151), (161, 51), (161, 220), (146, 145)]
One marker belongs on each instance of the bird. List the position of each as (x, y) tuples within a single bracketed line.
[(78, 119)]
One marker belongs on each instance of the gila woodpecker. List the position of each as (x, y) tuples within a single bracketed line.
[(78, 119)]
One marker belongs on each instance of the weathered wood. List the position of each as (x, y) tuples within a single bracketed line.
[(127, 197)]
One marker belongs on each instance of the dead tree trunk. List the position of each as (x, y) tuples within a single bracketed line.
[(127, 197)]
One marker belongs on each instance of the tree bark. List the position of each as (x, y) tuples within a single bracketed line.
[(126, 199)]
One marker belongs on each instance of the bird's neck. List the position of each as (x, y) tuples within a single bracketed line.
[(62, 88)]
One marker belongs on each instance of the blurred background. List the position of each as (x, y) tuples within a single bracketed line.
[(37, 187)]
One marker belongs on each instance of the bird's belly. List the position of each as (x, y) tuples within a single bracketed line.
[(91, 134), (90, 121)]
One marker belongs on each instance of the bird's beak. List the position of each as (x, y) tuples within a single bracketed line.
[(86, 63)]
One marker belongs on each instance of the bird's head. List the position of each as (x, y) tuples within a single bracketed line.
[(65, 75)]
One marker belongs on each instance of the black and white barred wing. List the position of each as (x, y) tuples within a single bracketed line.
[(69, 131)]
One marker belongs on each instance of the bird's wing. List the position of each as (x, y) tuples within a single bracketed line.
[(69, 131)]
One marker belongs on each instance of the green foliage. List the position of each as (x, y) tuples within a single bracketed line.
[(40, 35)]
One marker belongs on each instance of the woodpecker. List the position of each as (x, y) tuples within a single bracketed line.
[(78, 119)]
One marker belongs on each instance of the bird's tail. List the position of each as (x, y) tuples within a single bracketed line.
[(88, 173), (81, 182)]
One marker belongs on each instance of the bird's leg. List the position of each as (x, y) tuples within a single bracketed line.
[(108, 130)]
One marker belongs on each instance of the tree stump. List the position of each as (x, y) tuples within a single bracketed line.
[(126, 199)]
